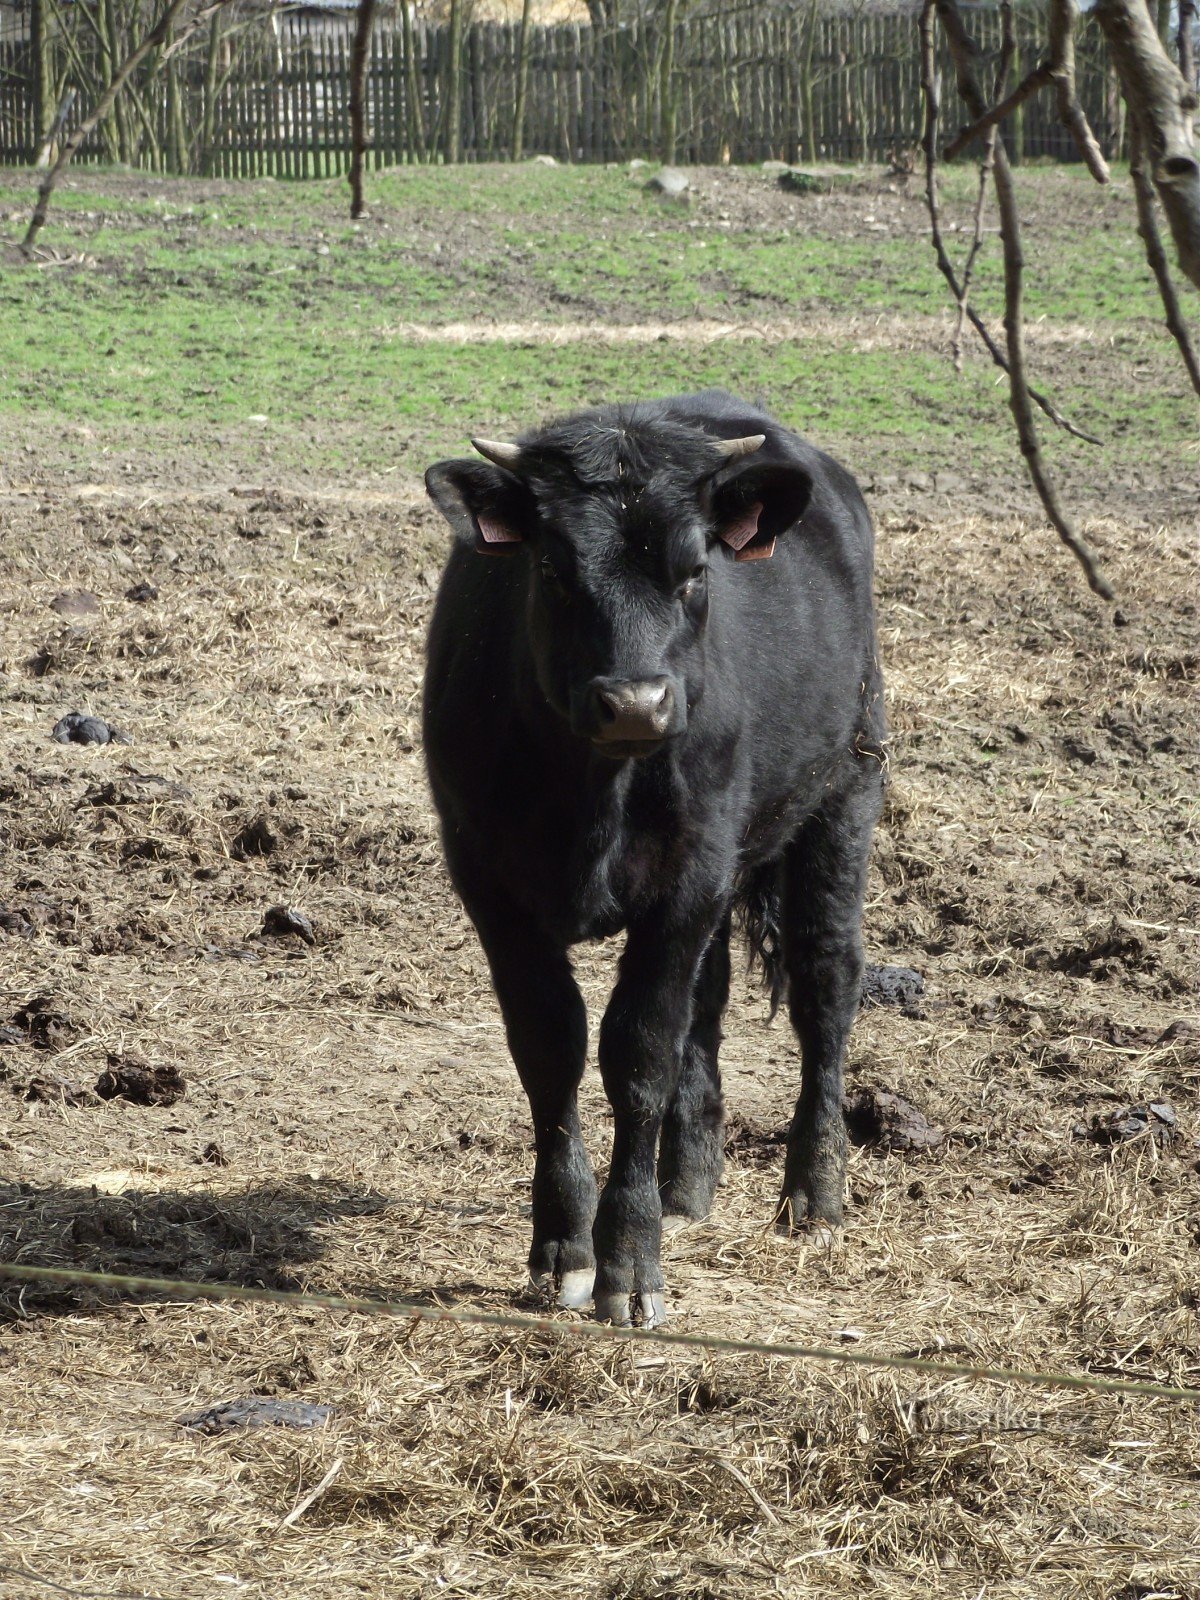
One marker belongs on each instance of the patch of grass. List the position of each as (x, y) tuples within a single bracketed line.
[(200, 305)]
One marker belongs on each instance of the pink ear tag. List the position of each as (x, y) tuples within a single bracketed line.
[(495, 538), (739, 534)]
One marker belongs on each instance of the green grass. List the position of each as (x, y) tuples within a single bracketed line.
[(204, 305)]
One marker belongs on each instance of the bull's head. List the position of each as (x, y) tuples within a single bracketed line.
[(621, 523)]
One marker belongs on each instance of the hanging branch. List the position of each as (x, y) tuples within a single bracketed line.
[(1161, 103), (1008, 48), (1063, 17), (1059, 69), (963, 51), (945, 265), (1143, 192), (1184, 42), (94, 117), (358, 96)]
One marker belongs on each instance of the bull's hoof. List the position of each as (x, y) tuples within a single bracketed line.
[(794, 1220), (624, 1310), (572, 1291)]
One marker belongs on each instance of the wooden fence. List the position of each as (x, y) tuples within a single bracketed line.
[(792, 85)]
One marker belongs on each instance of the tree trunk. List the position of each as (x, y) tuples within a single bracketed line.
[(1161, 106), (414, 108), (43, 92), (806, 84), (666, 84), (454, 85), (176, 134), (523, 44), (359, 61), (108, 123), (120, 117), (208, 114)]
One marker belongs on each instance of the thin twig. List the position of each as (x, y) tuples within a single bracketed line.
[(945, 265), (739, 1476), (311, 1498), (1143, 193), (985, 172), (964, 52)]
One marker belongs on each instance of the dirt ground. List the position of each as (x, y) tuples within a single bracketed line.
[(349, 1120)]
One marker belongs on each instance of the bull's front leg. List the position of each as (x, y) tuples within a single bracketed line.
[(546, 1024), (642, 1040)]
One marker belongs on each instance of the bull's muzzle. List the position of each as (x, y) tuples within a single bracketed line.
[(629, 711)]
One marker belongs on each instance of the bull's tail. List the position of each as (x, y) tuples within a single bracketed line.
[(760, 916)]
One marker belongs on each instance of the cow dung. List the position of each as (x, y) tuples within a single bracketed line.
[(1157, 1119), (886, 1122), (140, 1082), (280, 922), (891, 986)]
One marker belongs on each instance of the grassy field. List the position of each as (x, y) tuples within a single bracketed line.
[(228, 393), (170, 315)]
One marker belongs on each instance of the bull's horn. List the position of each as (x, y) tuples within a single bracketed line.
[(504, 455), (731, 449)]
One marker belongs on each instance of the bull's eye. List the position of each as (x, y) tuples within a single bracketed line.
[(694, 586)]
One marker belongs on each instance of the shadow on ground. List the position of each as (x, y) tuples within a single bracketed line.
[(258, 1237)]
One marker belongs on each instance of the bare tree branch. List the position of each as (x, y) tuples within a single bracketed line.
[(1161, 104), (1143, 192), (985, 172), (945, 265), (1008, 47), (964, 52)]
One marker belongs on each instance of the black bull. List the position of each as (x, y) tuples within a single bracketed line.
[(661, 710)]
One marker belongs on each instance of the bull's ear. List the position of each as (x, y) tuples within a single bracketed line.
[(756, 501), (487, 507)]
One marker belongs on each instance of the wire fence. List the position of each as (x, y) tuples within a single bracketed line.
[(183, 1289)]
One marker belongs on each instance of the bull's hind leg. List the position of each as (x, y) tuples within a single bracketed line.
[(691, 1145), (546, 1024), (825, 872)]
